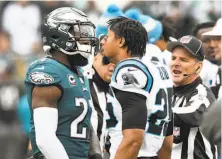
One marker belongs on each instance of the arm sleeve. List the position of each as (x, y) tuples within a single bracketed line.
[(46, 121), (134, 110), (192, 112)]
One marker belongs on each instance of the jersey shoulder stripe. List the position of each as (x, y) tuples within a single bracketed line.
[(132, 64)]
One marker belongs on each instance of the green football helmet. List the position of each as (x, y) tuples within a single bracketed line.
[(69, 30)]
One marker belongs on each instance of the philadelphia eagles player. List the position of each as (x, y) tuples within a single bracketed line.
[(58, 93)]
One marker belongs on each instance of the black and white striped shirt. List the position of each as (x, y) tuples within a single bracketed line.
[(189, 104), (99, 89)]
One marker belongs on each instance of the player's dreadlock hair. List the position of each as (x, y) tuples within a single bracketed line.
[(197, 27), (133, 32)]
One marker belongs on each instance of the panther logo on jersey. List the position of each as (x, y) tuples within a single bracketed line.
[(129, 79), (41, 77)]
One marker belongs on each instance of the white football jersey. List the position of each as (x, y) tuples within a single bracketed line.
[(153, 53), (132, 75), (209, 73)]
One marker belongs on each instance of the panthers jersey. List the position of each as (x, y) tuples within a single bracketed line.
[(209, 77), (74, 110), (132, 75), (153, 53)]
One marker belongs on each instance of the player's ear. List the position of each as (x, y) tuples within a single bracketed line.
[(199, 68), (122, 42)]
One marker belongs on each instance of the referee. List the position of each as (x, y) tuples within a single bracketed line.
[(190, 100), (100, 73)]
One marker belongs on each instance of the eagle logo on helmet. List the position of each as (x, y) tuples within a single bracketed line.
[(41, 78), (68, 30)]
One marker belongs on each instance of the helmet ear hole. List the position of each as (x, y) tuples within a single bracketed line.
[(70, 45)]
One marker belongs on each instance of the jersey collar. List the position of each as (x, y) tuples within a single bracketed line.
[(182, 90)]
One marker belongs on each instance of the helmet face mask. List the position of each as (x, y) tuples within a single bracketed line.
[(68, 30)]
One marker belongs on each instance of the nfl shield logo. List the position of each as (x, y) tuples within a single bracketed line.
[(185, 39), (72, 80), (176, 131)]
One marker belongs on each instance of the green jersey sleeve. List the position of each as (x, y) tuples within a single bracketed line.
[(42, 75)]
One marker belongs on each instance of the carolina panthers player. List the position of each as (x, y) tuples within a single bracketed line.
[(58, 93), (137, 113)]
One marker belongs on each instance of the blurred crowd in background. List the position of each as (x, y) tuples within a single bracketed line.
[(20, 39)]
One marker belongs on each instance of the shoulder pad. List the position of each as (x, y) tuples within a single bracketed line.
[(42, 74), (132, 73)]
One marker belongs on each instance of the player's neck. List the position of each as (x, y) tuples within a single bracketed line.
[(121, 56), (161, 44), (62, 58)]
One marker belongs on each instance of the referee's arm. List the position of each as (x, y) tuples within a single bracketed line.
[(192, 112)]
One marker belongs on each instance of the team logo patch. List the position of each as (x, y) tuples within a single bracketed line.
[(176, 131), (41, 77), (129, 79), (185, 39), (72, 80)]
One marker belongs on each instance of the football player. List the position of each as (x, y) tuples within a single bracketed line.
[(137, 112), (58, 93)]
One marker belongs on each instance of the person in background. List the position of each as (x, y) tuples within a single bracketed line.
[(112, 11), (208, 77), (159, 33), (212, 128), (99, 78), (22, 19), (213, 38), (5, 51), (23, 113), (198, 31), (191, 99), (154, 30), (13, 141)]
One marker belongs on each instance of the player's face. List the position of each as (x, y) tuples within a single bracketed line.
[(104, 71), (182, 62), (214, 43), (110, 46), (208, 51)]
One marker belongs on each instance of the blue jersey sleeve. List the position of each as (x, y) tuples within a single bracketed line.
[(132, 75), (42, 74)]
